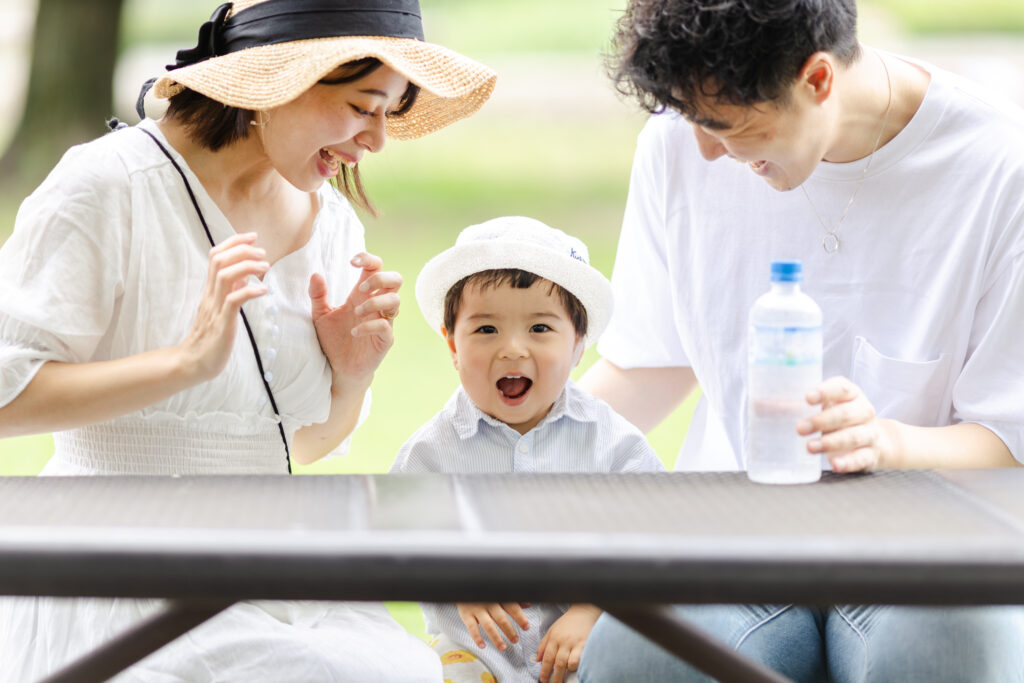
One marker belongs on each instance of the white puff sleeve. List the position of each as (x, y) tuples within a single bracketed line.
[(61, 271)]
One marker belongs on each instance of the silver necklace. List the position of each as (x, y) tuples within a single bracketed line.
[(830, 242)]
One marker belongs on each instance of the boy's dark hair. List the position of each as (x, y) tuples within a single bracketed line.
[(214, 125), (517, 279), (674, 53)]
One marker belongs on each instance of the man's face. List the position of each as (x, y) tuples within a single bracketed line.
[(781, 143)]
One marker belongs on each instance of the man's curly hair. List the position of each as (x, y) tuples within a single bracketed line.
[(673, 53)]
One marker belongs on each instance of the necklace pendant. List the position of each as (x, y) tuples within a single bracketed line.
[(830, 243)]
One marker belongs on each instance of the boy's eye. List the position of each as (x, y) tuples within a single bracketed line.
[(540, 327), (487, 329)]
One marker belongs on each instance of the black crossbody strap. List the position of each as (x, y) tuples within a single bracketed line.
[(245, 321)]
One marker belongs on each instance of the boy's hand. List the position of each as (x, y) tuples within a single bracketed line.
[(562, 646), (493, 618)]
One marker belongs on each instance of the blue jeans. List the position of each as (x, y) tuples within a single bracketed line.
[(848, 644)]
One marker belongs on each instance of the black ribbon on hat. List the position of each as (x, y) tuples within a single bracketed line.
[(206, 47), (282, 21)]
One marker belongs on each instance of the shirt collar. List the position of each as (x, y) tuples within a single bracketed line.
[(466, 416)]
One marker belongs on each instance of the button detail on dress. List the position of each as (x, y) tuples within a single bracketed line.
[(269, 376), (270, 354)]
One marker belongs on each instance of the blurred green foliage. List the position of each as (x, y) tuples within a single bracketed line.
[(555, 149), (924, 17), (564, 26), (476, 26)]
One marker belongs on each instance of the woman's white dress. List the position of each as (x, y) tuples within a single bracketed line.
[(108, 259)]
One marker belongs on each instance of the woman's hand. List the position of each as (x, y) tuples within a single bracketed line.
[(852, 437), (232, 262), (356, 335)]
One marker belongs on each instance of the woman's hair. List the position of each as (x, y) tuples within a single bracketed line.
[(215, 125), (675, 53), (517, 279)]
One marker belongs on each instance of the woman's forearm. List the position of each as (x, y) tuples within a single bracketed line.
[(68, 395), (317, 440), (964, 445)]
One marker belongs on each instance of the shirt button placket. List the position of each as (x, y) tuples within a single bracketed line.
[(269, 353), (523, 461)]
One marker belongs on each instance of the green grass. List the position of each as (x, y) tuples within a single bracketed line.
[(944, 17), (569, 169), (566, 165)]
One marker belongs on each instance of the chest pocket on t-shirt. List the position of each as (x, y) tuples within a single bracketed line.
[(914, 392)]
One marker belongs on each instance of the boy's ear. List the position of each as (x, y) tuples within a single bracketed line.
[(578, 351), (451, 347)]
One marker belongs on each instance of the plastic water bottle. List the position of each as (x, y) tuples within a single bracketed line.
[(784, 363)]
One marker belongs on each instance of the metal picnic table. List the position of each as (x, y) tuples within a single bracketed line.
[(632, 544)]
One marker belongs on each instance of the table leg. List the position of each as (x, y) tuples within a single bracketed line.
[(146, 637), (663, 627)]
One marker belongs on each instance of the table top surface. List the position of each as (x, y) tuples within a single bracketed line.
[(928, 537)]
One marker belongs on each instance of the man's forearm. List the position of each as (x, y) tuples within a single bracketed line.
[(644, 396), (965, 445)]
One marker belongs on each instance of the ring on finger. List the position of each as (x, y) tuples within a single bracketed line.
[(389, 316)]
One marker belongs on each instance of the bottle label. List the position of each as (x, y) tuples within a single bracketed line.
[(776, 345)]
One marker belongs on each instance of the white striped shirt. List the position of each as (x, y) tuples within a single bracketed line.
[(579, 434)]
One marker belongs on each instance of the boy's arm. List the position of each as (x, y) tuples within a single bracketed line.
[(418, 453), (562, 646)]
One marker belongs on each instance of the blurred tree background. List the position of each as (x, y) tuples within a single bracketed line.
[(554, 143), (70, 84)]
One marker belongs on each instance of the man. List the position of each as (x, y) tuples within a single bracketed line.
[(901, 188)]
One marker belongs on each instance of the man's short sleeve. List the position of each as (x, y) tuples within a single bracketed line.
[(642, 332), (990, 389)]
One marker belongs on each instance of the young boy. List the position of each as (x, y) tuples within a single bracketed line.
[(517, 301)]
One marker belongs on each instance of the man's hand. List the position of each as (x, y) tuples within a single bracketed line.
[(852, 437), (562, 646), (493, 618)]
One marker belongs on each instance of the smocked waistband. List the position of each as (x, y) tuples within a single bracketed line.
[(135, 445)]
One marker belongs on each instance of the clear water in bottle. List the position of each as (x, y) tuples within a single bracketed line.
[(784, 363)]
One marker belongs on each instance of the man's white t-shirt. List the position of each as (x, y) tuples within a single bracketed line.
[(923, 303)]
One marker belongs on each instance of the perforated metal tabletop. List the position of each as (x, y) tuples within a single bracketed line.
[(891, 536), (904, 537)]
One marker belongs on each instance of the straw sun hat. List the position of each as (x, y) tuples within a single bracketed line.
[(259, 54), (524, 244)]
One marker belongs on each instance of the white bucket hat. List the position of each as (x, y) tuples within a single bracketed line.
[(524, 244)]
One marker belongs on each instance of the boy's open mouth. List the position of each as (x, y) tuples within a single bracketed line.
[(514, 386)]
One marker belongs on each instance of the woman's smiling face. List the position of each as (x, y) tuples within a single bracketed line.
[(514, 349), (330, 124)]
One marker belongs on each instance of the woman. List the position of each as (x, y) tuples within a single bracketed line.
[(121, 288)]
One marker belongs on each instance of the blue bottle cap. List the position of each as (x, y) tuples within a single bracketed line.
[(787, 271)]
